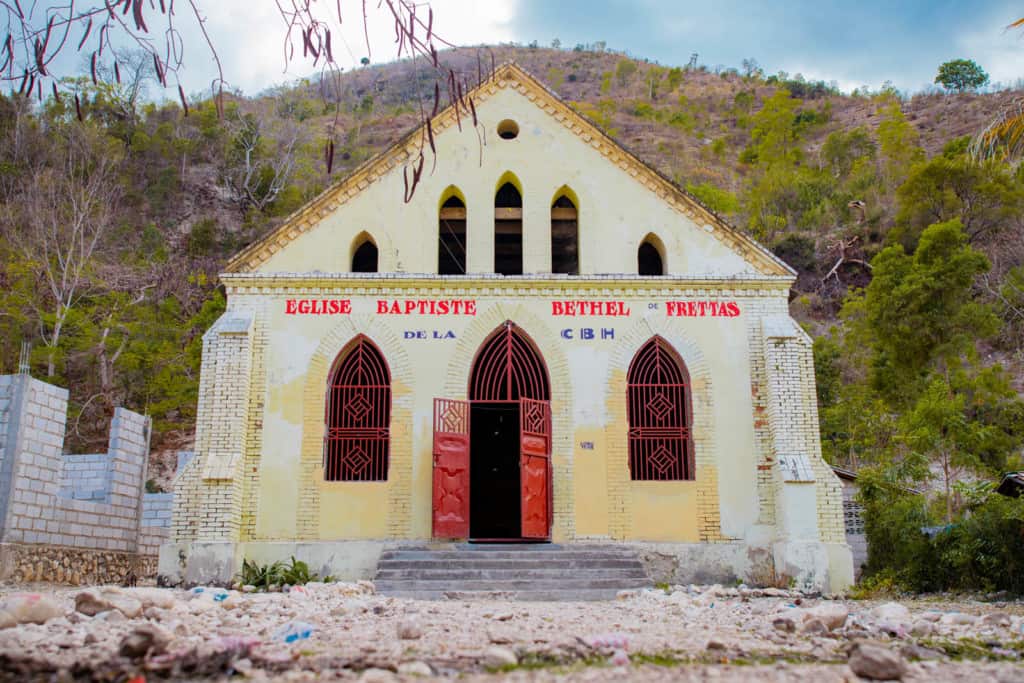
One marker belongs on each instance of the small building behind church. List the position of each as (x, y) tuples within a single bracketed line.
[(549, 342)]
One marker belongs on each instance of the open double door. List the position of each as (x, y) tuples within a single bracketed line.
[(452, 493)]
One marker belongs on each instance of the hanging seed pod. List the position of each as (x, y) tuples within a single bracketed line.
[(184, 101), (56, 94), (85, 36), (140, 22), (78, 109), (329, 156), (117, 72), (92, 69)]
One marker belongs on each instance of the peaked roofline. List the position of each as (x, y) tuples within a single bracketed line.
[(508, 74)]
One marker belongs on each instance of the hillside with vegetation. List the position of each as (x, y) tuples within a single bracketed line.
[(118, 214)]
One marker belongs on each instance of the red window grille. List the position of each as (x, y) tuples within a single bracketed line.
[(659, 413), (508, 367), (357, 438)]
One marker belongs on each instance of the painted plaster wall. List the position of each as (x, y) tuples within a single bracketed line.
[(588, 382), (616, 210)]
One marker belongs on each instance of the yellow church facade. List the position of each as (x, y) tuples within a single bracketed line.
[(548, 342)]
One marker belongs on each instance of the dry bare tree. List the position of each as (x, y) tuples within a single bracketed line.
[(66, 205), (38, 32), (261, 159)]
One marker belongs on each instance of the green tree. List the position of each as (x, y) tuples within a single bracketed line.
[(774, 139), (961, 75), (898, 141), (624, 70), (918, 314), (984, 196)]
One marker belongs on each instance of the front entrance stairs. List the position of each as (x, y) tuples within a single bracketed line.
[(539, 572)]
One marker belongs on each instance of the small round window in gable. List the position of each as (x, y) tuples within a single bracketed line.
[(508, 129)]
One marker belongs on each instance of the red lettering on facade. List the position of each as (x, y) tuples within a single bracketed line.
[(434, 307), (317, 306), (609, 309), (702, 309)]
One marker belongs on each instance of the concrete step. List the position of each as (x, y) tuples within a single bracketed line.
[(537, 555), (427, 583), (510, 572), (563, 595), (459, 573), (527, 565)]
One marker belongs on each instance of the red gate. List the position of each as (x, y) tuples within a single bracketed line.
[(535, 467), (451, 468)]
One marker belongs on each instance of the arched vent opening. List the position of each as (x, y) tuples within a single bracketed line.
[(508, 367), (650, 260), (508, 230), (564, 237), (358, 435), (451, 236), (364, 258), (659, 414)]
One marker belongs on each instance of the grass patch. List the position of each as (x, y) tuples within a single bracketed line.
[(972, 649)]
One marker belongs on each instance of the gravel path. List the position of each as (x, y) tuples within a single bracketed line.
[(346, 631)]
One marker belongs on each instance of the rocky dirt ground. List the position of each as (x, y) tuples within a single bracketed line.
[(346, 631)]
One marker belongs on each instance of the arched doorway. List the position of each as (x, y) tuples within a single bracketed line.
[(492, 454)]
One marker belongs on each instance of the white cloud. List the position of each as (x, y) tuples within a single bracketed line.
[(250, 38)]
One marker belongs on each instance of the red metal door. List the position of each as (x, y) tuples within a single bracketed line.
[(535, 467), (451, 468)]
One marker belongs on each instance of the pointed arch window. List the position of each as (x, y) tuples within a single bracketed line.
[(508, 230), (451, 237), (358, 431), (564, 236), (659, 414), (650, 256), (364, 255)]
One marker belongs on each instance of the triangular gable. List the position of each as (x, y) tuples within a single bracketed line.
[(508, 75)]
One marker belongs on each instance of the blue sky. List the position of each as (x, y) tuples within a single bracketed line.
[(866, 42), (855, 43)]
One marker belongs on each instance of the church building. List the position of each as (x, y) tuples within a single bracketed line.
[(548, 342)]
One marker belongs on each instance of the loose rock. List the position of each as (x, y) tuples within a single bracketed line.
[(877, 663), (409, 629), (28, 608), (415, 669), (147, 639), (832, 614), (497, 656), (891, 611)]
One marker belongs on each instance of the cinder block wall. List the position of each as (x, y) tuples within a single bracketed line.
[(93, 501)]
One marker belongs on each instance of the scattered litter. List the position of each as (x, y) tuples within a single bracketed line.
[(294, 630)]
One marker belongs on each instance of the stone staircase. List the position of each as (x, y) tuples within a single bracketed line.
[(510, 571)]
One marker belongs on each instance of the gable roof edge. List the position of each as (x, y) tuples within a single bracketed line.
[(503, 77)]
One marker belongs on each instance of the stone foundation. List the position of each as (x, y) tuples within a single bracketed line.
[(20, 563), (193, 563)]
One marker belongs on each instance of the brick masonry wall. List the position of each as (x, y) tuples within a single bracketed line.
[(55, 507), (86, 477)]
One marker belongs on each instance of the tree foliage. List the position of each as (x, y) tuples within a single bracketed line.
[(961, 75)]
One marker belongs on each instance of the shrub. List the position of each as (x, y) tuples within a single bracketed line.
[(983, 550), (797, 251)]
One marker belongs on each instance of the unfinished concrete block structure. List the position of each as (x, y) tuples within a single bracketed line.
[(76, 518)]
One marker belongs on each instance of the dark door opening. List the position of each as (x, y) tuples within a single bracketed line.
[(495, 500)]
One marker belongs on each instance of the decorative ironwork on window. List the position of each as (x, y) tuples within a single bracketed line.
[(659, 413), (508, 368), (357, 438)]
